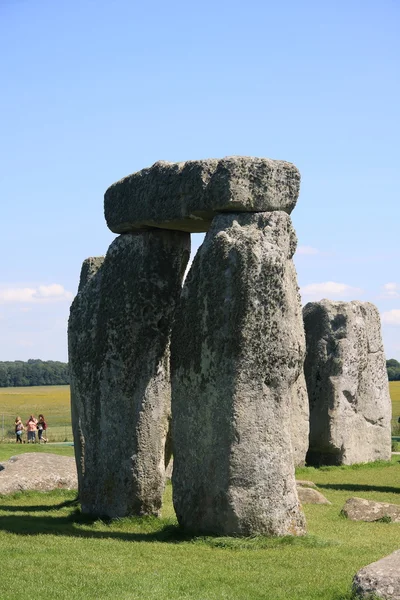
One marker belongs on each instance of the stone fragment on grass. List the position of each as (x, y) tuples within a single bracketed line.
[(119, 335), (186, 196), (311, 496), (347, 382), (380, 579), (237, 349), (359, 509), (38, 471), (305, 483)]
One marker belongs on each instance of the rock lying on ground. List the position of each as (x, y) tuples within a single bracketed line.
[(38, 471), (310, 496), (308, 493), (186, 196), (359, 509), (380, 579), (305, 483)]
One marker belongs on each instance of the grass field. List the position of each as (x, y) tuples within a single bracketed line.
[(394, 387), (144, 559), (76, 558), (52, 401)]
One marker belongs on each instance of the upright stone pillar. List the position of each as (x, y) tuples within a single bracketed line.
[(345, 370), (300, 420), (119, 332), (237, 350)]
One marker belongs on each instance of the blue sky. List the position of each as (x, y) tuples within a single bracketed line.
[(93, 90)]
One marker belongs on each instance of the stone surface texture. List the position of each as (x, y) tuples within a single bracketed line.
[(380, 579), (237, 349), (90, 266), (348, 390), (119, 333), (38, 471), (187, 195), (359, 509), (300, 420)]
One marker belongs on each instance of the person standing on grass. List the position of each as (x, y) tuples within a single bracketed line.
[(31, 429), (19, 429), (41, 427)]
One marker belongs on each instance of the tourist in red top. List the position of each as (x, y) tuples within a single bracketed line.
[(31, 429)]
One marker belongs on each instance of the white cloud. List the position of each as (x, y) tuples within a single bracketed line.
[(307, 250), (329, 289), (40, 294), (391, 317), (391, 290)]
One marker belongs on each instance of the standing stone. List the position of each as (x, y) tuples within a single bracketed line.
[(119, 331), (345, 370), (300, 420), (90, 266), (237, 348)]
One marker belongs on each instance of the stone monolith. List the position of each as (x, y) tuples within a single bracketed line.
[(300, 420), (90, 266), (345, 370), (119, 333), (237, 348), (187, 195)]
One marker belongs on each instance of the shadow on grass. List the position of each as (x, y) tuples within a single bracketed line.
[(41, 507), (71, 525), (79, 525), (356, 487)]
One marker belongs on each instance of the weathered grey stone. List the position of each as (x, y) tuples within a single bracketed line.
[(39, 471), (345, 370), (310, 496), (169, 469), (300, 420), (119, 331), (380, 579), (90, 266), (305, 483), (237, 348), (359, 509), (187, 195)]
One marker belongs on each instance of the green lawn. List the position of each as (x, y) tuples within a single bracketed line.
[(8, 450), (147, 559)]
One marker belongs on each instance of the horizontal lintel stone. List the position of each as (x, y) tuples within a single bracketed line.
[(186, 196)]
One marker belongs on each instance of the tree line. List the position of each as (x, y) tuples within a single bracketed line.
[(393, 369), (33, 372), (49, 372)]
